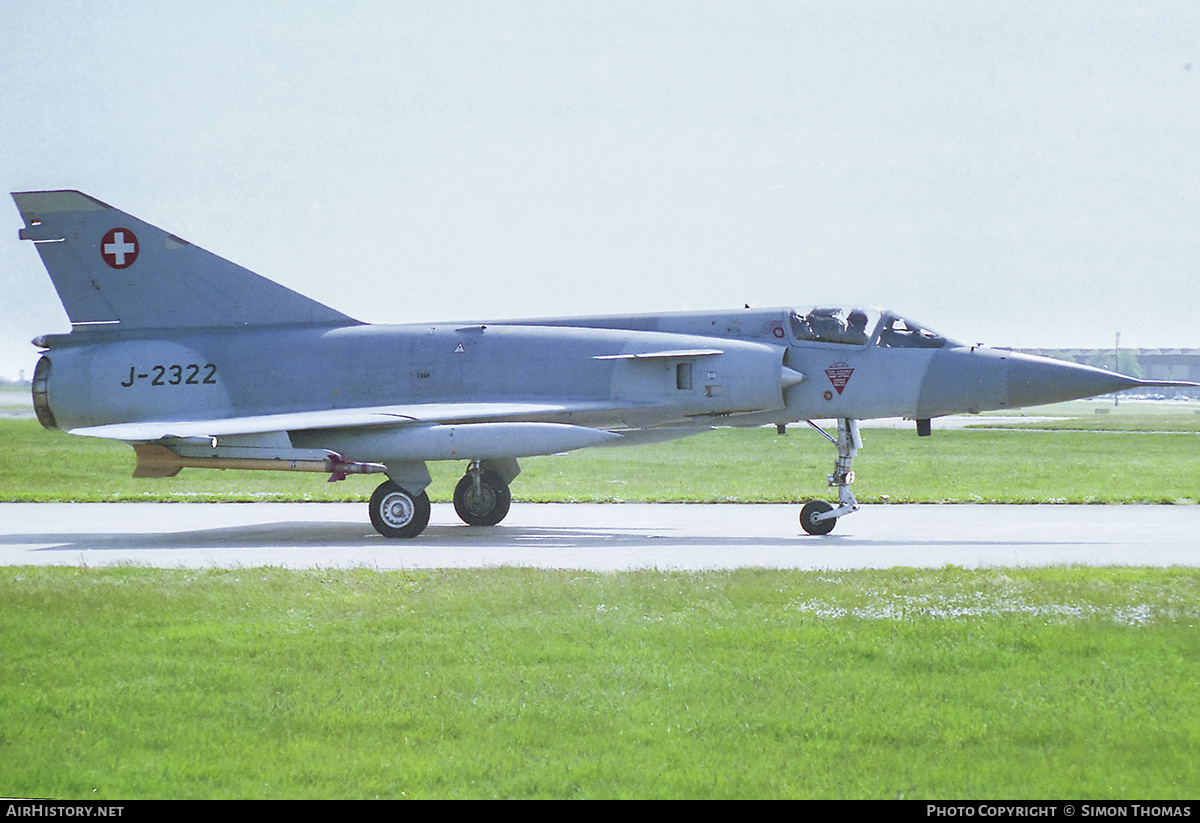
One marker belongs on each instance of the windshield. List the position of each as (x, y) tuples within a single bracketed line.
[(857, 326), (899, 333)]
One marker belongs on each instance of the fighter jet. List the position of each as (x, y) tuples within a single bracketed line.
[(197, 362)]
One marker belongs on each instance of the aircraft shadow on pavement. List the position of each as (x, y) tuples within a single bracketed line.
[(336, 536)]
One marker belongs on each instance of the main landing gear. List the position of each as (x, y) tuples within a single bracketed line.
[(398, 513), (481, 498), (819, 516)]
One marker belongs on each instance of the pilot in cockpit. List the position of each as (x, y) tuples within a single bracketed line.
[(856, 329)]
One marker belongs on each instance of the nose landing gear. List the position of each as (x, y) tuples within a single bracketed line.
[(819, 516)]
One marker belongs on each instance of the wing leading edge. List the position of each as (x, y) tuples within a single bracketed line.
[(394, 415)]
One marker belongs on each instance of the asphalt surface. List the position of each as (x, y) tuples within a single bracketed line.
[(610, 537)]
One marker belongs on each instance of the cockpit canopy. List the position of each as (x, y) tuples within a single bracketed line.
[(860, 326)]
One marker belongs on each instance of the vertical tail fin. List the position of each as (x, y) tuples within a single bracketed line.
[(111, 269)]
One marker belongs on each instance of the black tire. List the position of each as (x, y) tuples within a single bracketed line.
[(397, 513), (487, 507), (819, 527)]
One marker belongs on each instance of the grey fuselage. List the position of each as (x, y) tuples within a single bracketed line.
[(585, 365)]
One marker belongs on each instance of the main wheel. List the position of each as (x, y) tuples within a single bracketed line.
[(811, 526), (397, 513), (485, 506)]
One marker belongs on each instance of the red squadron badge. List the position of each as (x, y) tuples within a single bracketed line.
[(119, 248), (839, 375)]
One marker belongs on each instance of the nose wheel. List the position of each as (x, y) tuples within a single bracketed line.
[(818, 516), (814, 519)]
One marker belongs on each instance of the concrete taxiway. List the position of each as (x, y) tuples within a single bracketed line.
[(611, 537)]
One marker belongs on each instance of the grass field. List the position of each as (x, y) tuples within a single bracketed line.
[(964, 465), (123, 683), (262, 683)]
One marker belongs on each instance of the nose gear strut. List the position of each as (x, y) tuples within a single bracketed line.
[(818, 516)]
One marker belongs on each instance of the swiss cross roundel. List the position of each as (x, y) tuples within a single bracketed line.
[(119, 248)]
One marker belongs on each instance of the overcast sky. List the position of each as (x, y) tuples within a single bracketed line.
[(1013, 173)]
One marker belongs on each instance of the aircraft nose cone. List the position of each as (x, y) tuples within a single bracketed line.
[(1034, 381)]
